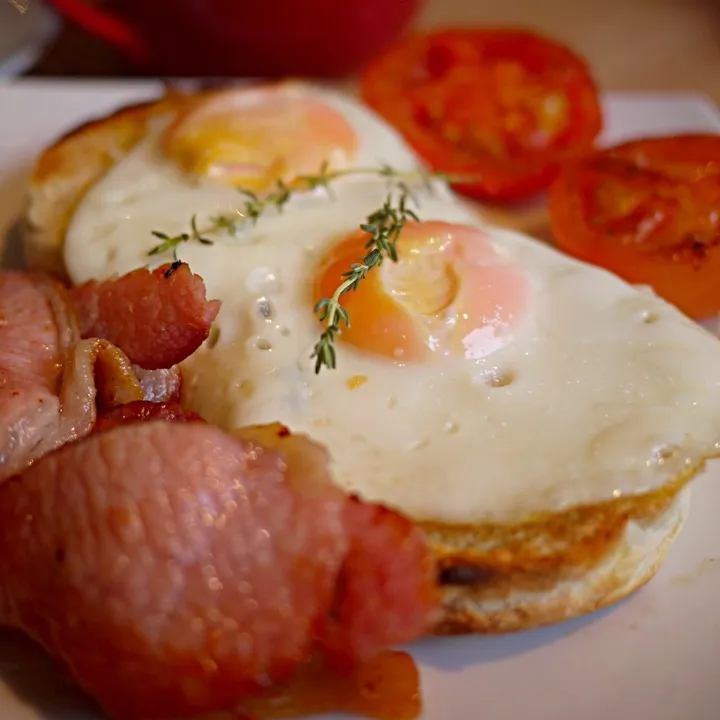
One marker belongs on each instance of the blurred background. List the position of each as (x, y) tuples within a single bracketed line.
[(630, 44)]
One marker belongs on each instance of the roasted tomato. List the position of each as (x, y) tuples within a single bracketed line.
[(649, 211), (502, 108)]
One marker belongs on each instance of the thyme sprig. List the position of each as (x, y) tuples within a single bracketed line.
[(171, 242), (384, 227), (258, 205)]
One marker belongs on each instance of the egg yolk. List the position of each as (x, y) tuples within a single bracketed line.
[(449, 294), (255, 137)]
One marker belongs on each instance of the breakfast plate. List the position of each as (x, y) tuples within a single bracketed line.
[(653, 655)]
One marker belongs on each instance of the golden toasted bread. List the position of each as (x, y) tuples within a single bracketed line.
[(567, 565), (64, 171), (494, 578)]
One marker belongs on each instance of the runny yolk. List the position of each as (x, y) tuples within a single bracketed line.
[(254, 137), (449, 294)]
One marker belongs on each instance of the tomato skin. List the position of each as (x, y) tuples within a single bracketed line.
[(502, 107), (648, 210)]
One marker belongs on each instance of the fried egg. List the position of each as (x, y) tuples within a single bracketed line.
[(256, 137), (485, 377)]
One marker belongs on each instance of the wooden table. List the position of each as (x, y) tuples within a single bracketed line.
[(630, 44)]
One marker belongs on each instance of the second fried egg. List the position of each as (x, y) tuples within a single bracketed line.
[(484, 376)]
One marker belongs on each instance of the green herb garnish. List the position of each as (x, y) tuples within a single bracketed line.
[(257, 205), (384, 227)]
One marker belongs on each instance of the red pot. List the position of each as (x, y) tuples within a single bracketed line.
[(269, 38)]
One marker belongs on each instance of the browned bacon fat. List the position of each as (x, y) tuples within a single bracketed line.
[(157, 318), (178, 570), (144, 411), (48, 380)]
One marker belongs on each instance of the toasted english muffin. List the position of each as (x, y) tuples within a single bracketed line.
[(64, 171), (494, 577)]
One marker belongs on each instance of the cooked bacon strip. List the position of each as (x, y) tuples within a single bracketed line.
[(36, 329), (179, 570), (156, 319), (37, 422), (369, 610), (49, 382), (143, 411)]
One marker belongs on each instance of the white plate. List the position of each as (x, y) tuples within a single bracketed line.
[(655, 656)]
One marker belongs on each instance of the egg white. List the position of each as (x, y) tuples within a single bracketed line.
[(604, 389)]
